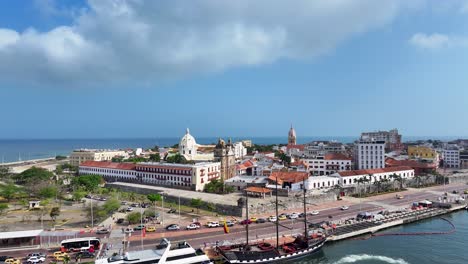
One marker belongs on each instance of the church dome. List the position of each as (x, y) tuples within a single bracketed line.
[(187, 144)]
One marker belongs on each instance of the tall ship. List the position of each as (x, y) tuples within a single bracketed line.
[(181, 253), (263, 252)]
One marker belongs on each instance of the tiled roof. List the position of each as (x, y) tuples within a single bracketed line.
[(373, 171), (288, 176), (300, 147), (336, 156), (109, 165), (409, 163), (248, 164), (258, 189)]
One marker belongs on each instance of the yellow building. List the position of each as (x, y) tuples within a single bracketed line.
[(422, 152), (82, 155)]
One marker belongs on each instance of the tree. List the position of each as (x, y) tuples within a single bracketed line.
[(283, 157), (78, 195), (377, 183), (4, 173), (211, 207), (9, 191), (48, 192), (177, 158), (134, 217), (111, 205), (54, 213), (156, 148), (217, 186), (88, 182), (3, 207), (153, 198), (33, 176), (60, 157), (117, 159), (197, 203), (155, 157)]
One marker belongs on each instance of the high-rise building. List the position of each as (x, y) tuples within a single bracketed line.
[(224, 153), (369, 154), (451, 157), (392, 138)]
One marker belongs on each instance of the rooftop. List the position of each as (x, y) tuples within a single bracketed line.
[(373, 171), (289, 176), (109, 165), (258, 189), (336, 156)]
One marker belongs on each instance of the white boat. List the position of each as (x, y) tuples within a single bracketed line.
[(182, 253)]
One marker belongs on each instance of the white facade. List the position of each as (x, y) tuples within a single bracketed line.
[(451, 158), (321, 148), (239, 150), (81, 155), (322, 182), (188, 146), (350, 178), (328, 165), (370, 155)]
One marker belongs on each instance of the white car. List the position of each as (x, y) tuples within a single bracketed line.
[(213, 224), (272, 219), (35, 259), (128, 230), (192, 227), (314, 212), (344, 207), (293, 216), (129, 209)]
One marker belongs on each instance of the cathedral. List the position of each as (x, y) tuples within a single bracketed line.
[(225, 154), (292, 136), (188, 146)]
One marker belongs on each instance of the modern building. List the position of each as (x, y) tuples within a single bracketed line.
[(350, 178), (247, 143), (240, 151), (392, 138), (329, 164), (464, 160), (292, 136), (322, 148), (369, 154), (451, 157), (183, 176), (81, 155), (224, 154), (421, 152)]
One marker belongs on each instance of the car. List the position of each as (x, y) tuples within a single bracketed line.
[(272, 218), (454, 191), (293, 216), (128, 230), (212, 224), (197, 223), (465, 192), (145, 205), (129, 209), (3, 258), (253, 219), (172, 211), (282, 217), (314, 212), (229, 223), (120, 221), (103, 231), (88, 196), (246, 222), (102, 199), (135, 205), (35, 259), (34, 255), (86, 254), (192, 227), (139, 227), (150, 229), (301, 215), (344, 207), (62, 258), (13, 261), (59, 254), (123, 203), (261, 220), (172, 227)]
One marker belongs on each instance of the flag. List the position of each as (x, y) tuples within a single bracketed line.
[(226, 228), (143, 232)]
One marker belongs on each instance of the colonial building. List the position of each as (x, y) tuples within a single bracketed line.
[(184, 176), (421, 152), (328, 164), (292, 136), (370, 154), (188, 147), (350, 178), (291, 180), (322, 182), (224, 154), (392, 138), (419, 167), (81, 155)]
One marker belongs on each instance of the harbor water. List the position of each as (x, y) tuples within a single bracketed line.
[(407, 249)]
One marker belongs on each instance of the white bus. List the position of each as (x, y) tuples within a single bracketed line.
[(80, 244)]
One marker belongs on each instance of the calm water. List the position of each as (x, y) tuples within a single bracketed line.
[(26, 149), (449, 249)]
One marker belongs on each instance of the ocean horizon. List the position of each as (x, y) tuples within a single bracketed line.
[(28, 149)]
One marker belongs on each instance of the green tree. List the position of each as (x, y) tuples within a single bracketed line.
[(48, 192), (156, 148), (155, 157), (197, 203), (3, 207), (134, 217), (283, 157), (54, 213), (179, 159), (88, 182), (117, 159), (34, 176), (9, 191), (217, 186), (111, 205), (60, 157), (5, 173), (136, 160), (78, 195), (211, 207), (154, 198)]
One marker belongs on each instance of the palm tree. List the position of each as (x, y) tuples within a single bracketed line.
[(377, 183), (418, 180)]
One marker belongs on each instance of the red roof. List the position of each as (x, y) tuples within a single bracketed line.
[(258, 189), (299, 147), (373, 171), (109, 165), (299, 163), (409, 163), (288, 176), (336, 156), (248, 164)]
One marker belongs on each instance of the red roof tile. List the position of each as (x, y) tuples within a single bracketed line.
[(336, 156), (299, 147), (409, 163), (258, 189), (109, 165), (288, 176)]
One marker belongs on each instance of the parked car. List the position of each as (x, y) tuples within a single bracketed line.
[(314, 212), (246, 222), (172, 211), (344, 207), (120, 221), (13, 261), (139, 227), (282, 217), (145, 205), (454, 191), (35, 259), (102, 199), (60, 256), (135, 205), (88, 196), (128, 230), (3, 258), (86, 254), (103, 231), (173, 227), (123, 203), (150, 229), (261, 220), (293, 216), (192, 227), (229, 223), (212, 224), (301, 215), (253, 219), (272, 218), (129, 209), (33, 255)]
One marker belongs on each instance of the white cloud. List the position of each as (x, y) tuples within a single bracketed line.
[(122, 40), (437, 41)]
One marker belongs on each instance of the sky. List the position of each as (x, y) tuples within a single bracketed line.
[(117, 68)]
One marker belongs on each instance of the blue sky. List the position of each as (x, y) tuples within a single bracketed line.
[(87, 69)]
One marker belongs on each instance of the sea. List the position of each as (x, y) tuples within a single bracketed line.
[(28, 149), (408, 249)]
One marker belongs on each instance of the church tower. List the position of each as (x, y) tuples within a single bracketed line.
[(224, 153), (292, 136)]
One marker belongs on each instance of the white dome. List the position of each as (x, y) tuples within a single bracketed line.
[(188, 145)]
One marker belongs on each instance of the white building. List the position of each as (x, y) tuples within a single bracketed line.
[(350, 178), (321, 148), (322, 182), (239, 150), (184, 176), (188, 146), (328, 164), (81, 155), (370, 154), (451, 157)]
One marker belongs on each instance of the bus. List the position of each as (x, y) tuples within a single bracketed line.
[(80, 244)]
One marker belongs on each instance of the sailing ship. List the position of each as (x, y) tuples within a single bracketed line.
[(263, 252)]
